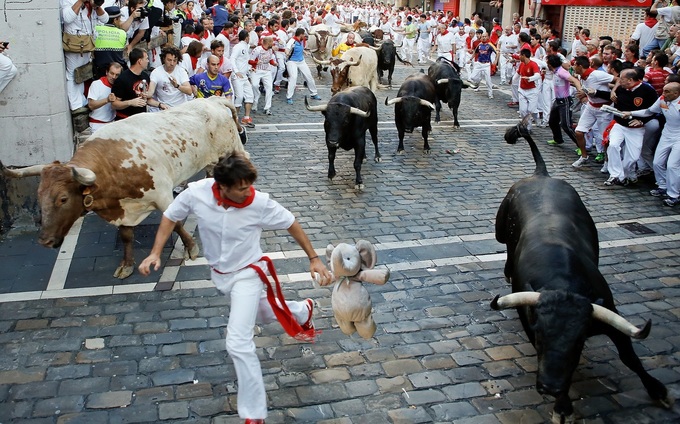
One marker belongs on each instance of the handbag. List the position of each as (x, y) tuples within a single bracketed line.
[(81, 43)]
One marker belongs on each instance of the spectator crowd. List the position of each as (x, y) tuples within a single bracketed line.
[(147, 57)]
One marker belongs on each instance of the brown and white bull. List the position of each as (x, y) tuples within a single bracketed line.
[(127, 169), (320, 45), (357, 67)]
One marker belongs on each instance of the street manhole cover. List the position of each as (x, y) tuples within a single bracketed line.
[(636, 228)]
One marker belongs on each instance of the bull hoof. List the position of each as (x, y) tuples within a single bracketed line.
[(359, 187), (456, 127), (666, 402), (427, 151), (378, 159), (400, 152), (192, 253), (123, 271), (558, 418)]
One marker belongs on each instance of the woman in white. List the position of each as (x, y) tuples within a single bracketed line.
[(78, 17)]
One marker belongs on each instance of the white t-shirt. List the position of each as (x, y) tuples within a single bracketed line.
[(599, 80), (136, 25), (445, 45), (508, 43), (165, 92), (230, 237), (99, 91)]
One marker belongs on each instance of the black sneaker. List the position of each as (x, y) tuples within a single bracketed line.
[(243, 136), (658, 192), (672, 201)]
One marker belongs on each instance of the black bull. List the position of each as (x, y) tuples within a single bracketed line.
[(558, 290), (448, 85), (413, 107), (348, 115), (387, 57)]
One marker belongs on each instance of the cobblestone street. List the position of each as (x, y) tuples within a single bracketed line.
[(79, 346)]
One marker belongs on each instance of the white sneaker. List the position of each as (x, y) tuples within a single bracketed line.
[(491, 96), (580, 162), (604, 169)]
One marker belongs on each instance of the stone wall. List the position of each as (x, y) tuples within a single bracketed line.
[(34, 114)]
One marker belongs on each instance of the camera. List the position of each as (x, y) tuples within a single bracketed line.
[(98, 3), (143, 13)]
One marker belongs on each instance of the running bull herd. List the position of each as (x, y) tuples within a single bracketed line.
[(122, 174)]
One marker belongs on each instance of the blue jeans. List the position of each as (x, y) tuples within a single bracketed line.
[(656, 43)]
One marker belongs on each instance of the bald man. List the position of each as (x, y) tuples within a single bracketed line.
[(667, 156)]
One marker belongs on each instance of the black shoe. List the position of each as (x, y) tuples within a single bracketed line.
[(243, 136)]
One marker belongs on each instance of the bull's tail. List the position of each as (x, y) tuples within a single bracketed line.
[(405, 62), (521, 130)]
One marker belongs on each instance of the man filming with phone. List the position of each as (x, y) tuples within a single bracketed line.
[(7, 68)]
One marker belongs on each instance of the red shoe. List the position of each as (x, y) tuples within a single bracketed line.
[(254, 421), (309, 325), (513, 104)]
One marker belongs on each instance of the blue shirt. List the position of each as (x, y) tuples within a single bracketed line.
[(207, 87), (220, 15), (297, 55), (484, 51)]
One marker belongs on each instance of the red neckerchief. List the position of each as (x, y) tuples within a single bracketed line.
[(586, 73), (105, 81), (194, 36), (221, 201), (221, 60), (194, 61), (205, 35), (446, 31), (225, 33), (650, 22), (89, 9), (299, 18)]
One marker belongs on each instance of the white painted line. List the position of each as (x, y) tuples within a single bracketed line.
[(85, 291), (169, 274), (401, 266), (63, 263), (134, 288)]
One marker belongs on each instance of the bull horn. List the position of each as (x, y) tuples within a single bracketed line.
[(607, 316), (313, 51), (84, 176), (393, 101), (321, 62), (443, 81), (352, 63), (374, 48), (402, 43), (320, 108), (29, 171), (426, 103), (357, 111), (514, 300)]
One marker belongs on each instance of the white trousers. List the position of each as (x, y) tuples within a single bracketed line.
[(243, 90), (482, 70), (667, 164), (515, 86), (7, 71), (594, 119), (528, 103), (423, 49), (277, 73), (623, 151), (293, 68), (266, 78), (248, 306), (506, 69), (76, 92), (545, 100), (408, 49)]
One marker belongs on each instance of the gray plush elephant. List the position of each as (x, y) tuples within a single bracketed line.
[(351, 266)]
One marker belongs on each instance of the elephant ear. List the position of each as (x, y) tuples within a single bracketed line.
[(367, 253)]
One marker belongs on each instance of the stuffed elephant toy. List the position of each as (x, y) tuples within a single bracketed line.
[(351, 266)]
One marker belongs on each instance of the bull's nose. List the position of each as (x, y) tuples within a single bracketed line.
[(50, 242)]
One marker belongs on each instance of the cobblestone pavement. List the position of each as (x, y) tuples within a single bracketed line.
[(76, 346)]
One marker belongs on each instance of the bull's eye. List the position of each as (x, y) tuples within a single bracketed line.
[(62, 200)]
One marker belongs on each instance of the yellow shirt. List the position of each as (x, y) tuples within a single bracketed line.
[(341, 49)]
